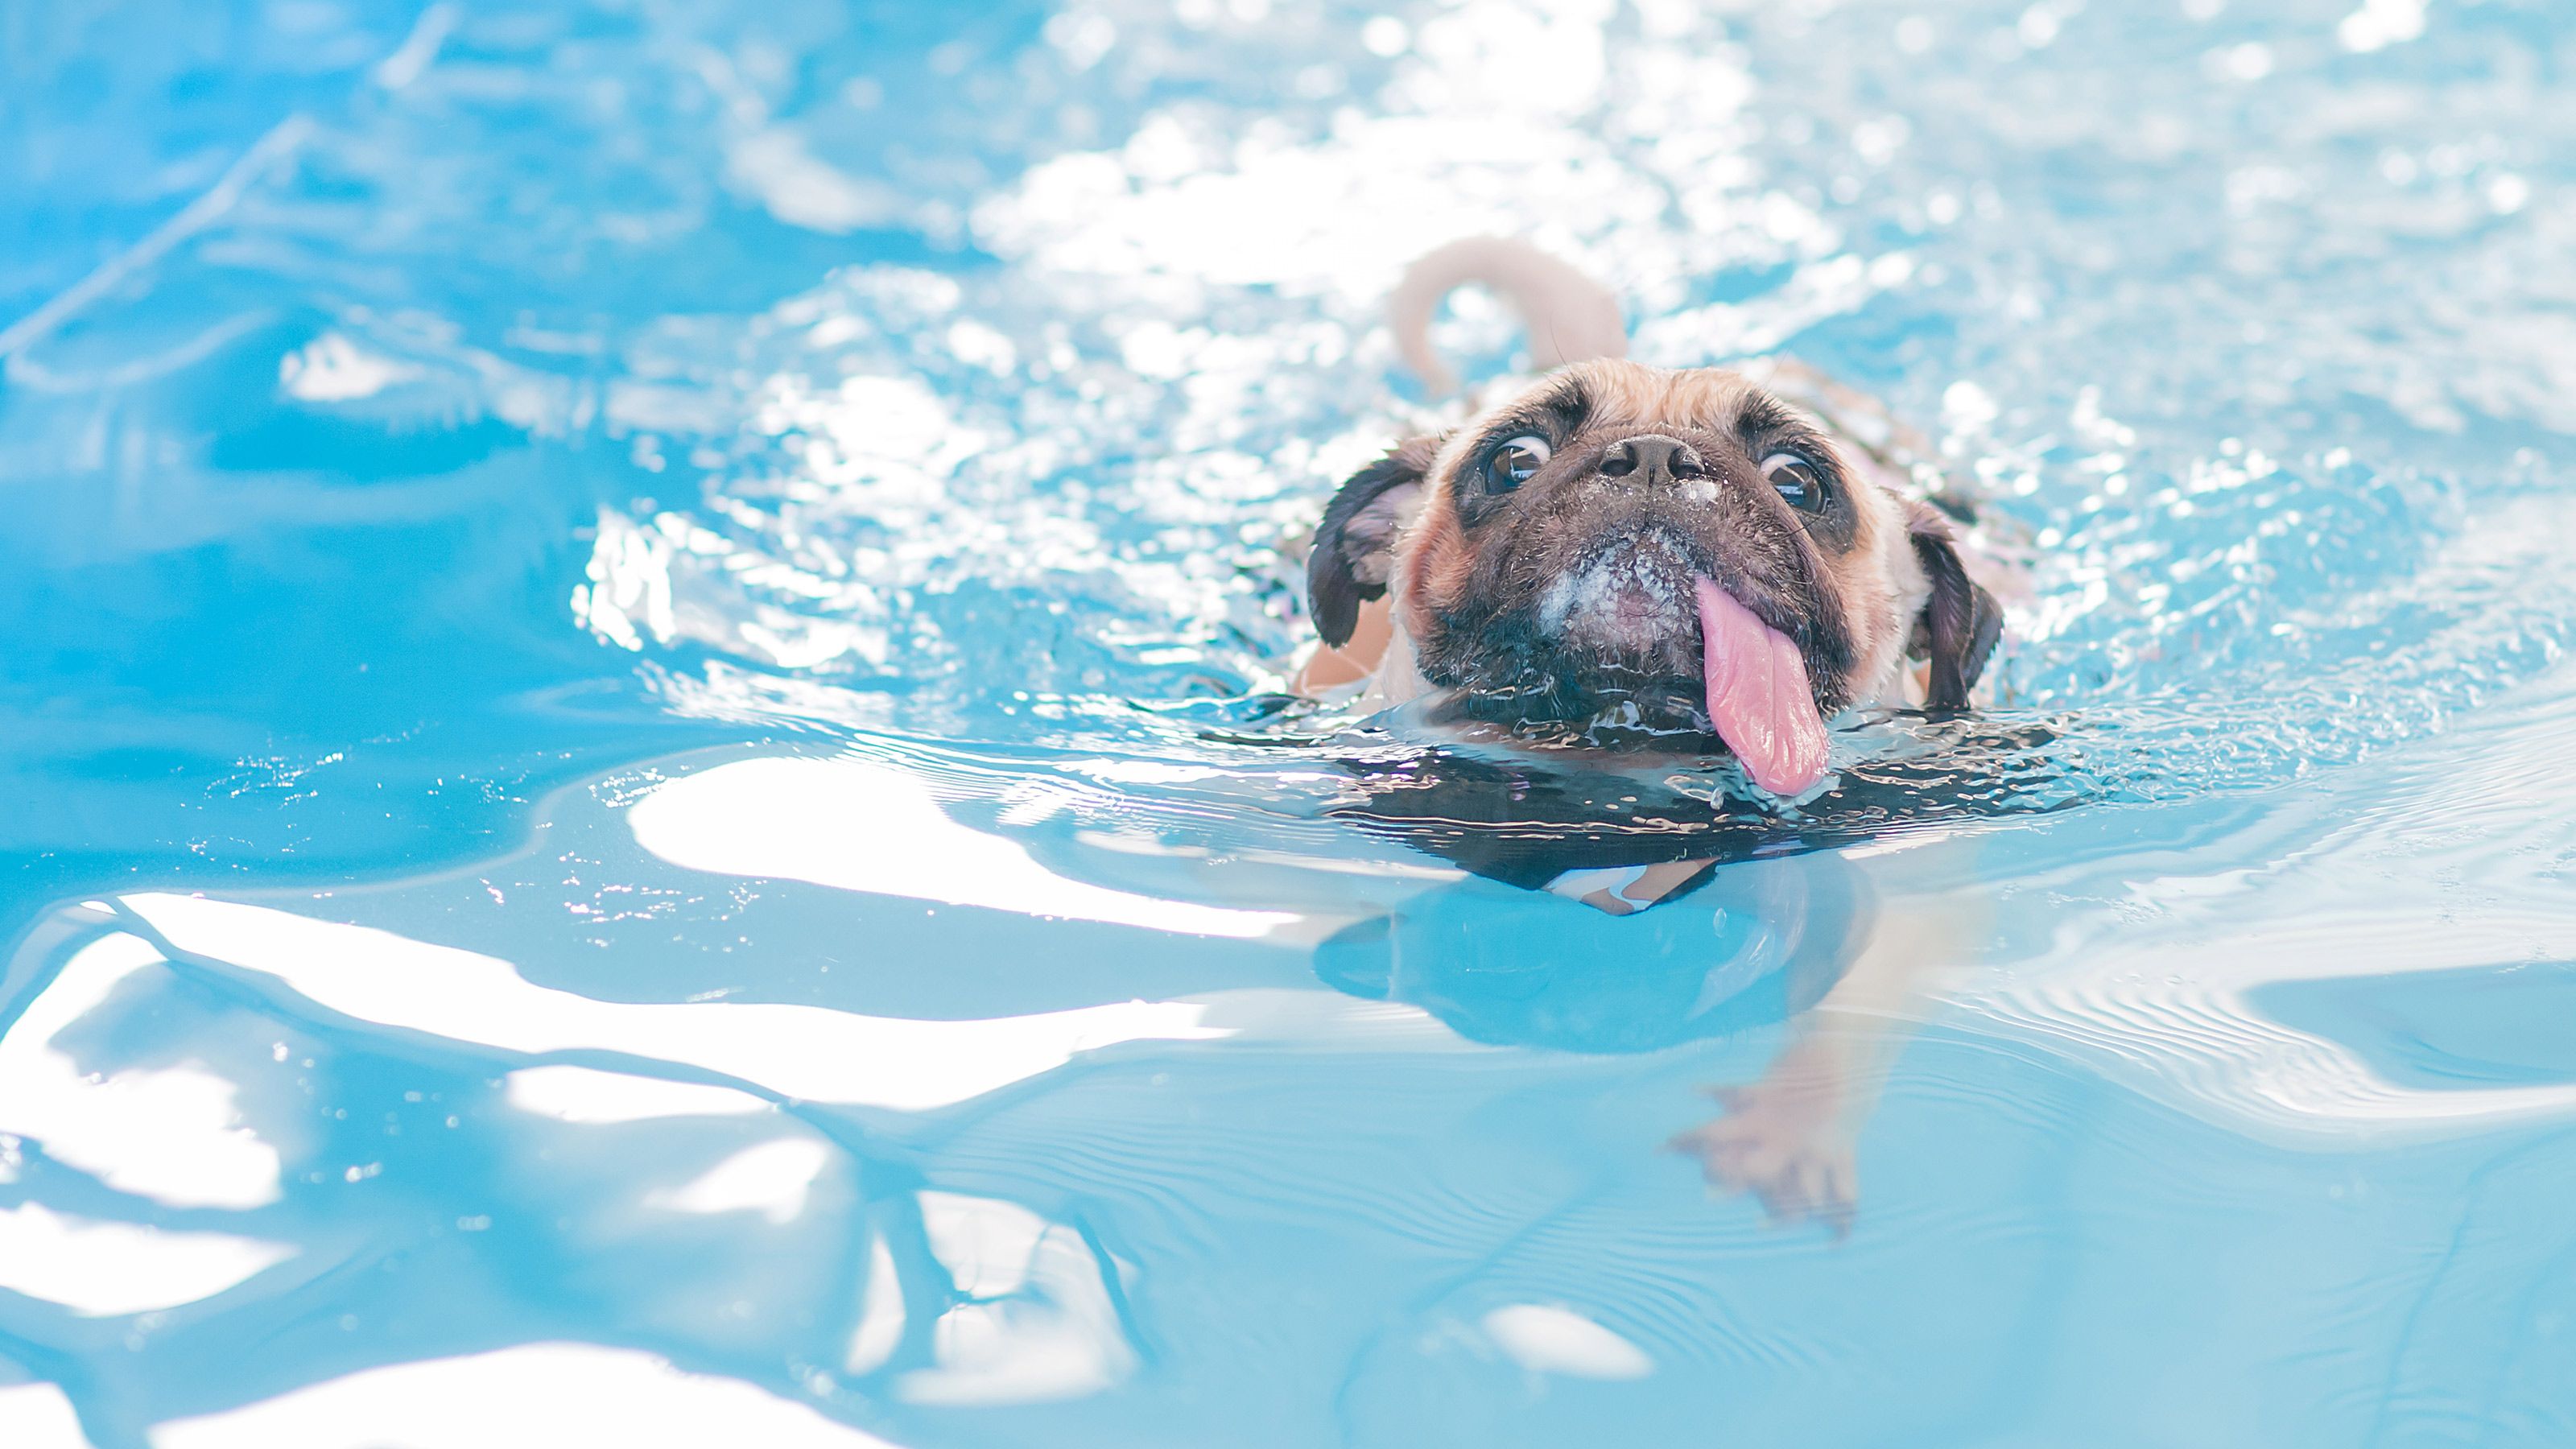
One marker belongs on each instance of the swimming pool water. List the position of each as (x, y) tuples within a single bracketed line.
[(646, 801)]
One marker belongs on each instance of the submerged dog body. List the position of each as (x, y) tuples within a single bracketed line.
[(1618, 551), (1672, 551)]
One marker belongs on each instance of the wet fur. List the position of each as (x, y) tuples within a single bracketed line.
[(1860, 593), (1856, 586)]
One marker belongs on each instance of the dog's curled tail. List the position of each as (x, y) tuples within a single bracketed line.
[(1570, 317)]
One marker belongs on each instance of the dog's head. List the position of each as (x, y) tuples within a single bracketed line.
[(1668, 550)]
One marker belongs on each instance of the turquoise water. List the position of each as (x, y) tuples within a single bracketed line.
[(646, 802)]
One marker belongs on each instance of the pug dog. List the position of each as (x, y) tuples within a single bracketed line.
[(1681, 553), (1699, 560)]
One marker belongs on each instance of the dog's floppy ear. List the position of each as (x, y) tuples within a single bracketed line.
[(1960, 622), (1355, 545)]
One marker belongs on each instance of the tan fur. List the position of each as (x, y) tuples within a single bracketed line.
[(1881, 583), (1434, 561)]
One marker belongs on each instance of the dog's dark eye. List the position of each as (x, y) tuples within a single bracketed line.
[(1799, 481), (1515, 463)]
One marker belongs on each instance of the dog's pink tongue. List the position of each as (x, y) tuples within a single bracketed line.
[(1758, 696)]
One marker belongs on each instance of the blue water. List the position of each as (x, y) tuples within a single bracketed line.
[(645, 801)]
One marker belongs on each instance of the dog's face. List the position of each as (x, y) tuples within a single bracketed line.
[(1669, 550)]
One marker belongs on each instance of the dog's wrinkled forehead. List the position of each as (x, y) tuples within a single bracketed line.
[(1606, 400), (1611, 394)]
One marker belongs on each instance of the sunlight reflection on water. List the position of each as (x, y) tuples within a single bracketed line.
[(642, 810)]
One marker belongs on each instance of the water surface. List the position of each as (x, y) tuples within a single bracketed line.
[(647, 806)]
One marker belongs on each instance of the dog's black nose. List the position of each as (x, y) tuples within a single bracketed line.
[(1653, 458)]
